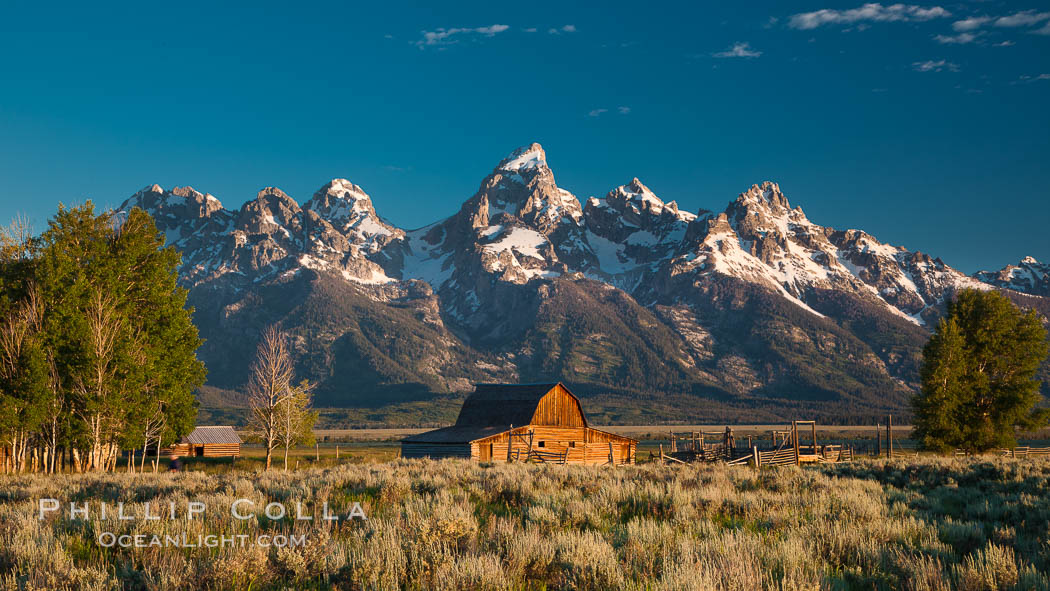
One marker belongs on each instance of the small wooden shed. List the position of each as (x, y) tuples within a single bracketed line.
[(219, 441), (522, 422)]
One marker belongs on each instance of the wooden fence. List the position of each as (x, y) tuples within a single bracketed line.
[(1029, 452)]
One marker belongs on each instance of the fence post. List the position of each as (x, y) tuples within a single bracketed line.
[(510, 441), (337, 452), (317, 452), (889, 436), (754, 454), (878, 435), (794, 436)]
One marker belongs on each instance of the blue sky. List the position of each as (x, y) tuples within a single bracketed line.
[(926, 125)]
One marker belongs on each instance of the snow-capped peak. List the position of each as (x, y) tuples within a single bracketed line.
[(344, 188), (524, 158), (1029, 260)]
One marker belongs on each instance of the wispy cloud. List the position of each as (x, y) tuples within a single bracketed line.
[(563, 29), (445, 36), (739, 49), (934, 66), (1025, 18), (1030, 79), (960, 39), (530, 30), (971, 23), (602, 111), (1045, 30), (874, 12)]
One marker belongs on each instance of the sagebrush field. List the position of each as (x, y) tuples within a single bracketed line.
[(922, 524)]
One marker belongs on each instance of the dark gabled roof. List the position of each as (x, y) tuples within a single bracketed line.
[(212, 434), (455, 434), (502, 404)]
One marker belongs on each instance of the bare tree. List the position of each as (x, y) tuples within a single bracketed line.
[(268, 386), (100, 388), (16, 329), (295, 419)]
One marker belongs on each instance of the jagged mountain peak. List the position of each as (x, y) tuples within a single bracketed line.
[(525, 158), (341, 202), (767, 193), (343, 189), (522, 186), (273, 194), (1027, 276)]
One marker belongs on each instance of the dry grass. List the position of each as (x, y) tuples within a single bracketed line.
[(932, 524)]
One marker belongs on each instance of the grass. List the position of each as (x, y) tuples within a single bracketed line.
[(924, 524)]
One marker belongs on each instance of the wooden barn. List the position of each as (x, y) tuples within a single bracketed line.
[(219, 441), (526, 422)]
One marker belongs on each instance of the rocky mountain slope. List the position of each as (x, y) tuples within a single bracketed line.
[(1028, 276), (752, 313)]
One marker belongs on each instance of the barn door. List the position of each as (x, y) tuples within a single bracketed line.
[(486, 452)]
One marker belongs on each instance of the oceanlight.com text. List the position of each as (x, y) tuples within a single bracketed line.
[(109, 540)]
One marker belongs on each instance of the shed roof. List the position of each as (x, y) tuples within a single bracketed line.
[(212, 434), (503, 404)]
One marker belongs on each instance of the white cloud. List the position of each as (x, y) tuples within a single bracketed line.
[(530, 30), (868, 12), (624, 110), (444, 36), (1006, 43), (597, 112), (960, 39), (564, 29), (1022, 19), (1045, 30), (934, 66), (739, 50), (971, 23)]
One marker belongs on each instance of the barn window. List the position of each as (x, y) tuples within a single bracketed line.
[(542, 444), (572, 444)]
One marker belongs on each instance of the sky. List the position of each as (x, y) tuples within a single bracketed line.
[(926, 125)]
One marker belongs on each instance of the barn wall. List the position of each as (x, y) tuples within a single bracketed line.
[(435, 450), (559, 408), (584, 445), (222, 450)]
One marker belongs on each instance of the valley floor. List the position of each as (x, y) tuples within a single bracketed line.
[(922, 523)]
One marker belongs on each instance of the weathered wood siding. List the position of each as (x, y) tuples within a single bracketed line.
[(435, 450), (222, 450), (584, 444), (559, 408), (207, 450)]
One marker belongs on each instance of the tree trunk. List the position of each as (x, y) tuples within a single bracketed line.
[(286, 457)]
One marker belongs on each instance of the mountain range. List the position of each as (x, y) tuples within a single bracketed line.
[(652, 313)]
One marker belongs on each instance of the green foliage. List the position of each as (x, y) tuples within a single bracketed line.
[(978, 375), (110, 340)]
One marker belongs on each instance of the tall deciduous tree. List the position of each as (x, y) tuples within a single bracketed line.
[(117, 327), (269, 385), (295, 419), (978, 375)]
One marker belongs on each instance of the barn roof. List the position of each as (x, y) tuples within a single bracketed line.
[(212, 434), (456, 434), (503, 404)]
